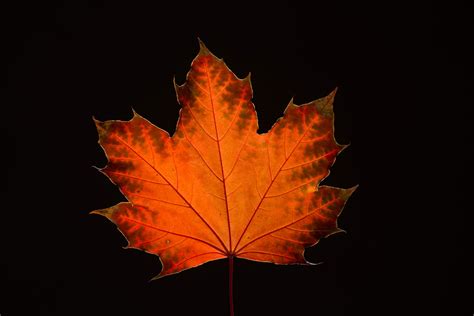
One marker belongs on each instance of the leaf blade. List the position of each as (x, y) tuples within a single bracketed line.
[(217, 188)]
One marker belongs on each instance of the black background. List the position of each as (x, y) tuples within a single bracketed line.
[(404, 103)]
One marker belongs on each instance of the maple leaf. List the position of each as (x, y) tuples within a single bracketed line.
[(217, 189)]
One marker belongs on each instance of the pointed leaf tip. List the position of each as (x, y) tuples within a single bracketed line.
[(291, 102), (353, 189), (248, 77), (325, 104), (203, 50), (350, 191), (340, 230), (176, 86), (156, 277), (97, 121), (107, 212), (330, 97)]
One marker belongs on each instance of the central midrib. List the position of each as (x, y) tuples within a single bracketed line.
[(220, 159)]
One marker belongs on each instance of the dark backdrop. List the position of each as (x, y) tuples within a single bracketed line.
[(404, 103)]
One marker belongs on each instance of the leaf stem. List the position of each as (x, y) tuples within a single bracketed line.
[(231, 292)]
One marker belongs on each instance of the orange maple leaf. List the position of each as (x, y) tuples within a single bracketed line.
[(217, 189)]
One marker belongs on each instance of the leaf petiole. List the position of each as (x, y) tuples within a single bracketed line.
[(231, 292)]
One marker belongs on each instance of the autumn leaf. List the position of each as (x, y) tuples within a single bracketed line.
[(217, 189)]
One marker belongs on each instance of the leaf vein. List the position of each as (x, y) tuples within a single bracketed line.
[(177, 192), (291, 223), (173, 233)]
